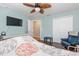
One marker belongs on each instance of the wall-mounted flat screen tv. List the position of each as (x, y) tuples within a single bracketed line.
[(11, 21)]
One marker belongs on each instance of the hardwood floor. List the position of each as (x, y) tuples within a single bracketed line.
[(58, 45), (37, 37), (55, 44)]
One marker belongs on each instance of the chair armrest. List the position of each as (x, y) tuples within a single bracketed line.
[(66, 43), (64, 39)]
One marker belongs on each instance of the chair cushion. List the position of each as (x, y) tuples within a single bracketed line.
[(73, 33), (73, 40)]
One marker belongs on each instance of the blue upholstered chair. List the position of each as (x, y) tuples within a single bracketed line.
[(73, 39)]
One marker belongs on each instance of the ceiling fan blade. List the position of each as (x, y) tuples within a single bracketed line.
[(44, 5), (41, 11), (33, 11), (37, 4), (29, 5)]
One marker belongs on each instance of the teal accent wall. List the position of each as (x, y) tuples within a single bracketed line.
[(46, 27), (12, 30), (46, 22)]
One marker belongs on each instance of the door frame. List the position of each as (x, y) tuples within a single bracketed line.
[(40, 26), (31, 24)]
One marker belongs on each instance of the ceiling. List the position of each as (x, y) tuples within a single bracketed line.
[(56, 7)]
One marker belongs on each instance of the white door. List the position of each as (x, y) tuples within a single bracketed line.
[(30, 27), (61, 27), (34, 28)]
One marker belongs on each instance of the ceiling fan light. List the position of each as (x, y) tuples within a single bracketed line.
[(37, 9)]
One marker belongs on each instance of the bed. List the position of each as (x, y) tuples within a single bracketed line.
[(28, 46)]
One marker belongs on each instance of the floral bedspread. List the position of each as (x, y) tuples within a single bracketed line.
[(28, 46)]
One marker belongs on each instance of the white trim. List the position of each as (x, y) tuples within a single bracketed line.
[(32, 26), (30, 31)]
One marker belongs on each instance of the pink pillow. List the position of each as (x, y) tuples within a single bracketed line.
[(26, 49)]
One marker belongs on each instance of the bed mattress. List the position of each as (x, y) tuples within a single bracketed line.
[(28, 46)]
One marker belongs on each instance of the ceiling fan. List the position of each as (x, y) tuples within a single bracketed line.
[(38, 7)]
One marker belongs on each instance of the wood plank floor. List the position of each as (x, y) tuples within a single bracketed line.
[(55, 44)]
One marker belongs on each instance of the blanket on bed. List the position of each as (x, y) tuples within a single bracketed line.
[(28, 46)]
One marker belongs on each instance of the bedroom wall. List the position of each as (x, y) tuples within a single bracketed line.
[(12, 30), (46, 26), (47, 22), (75, 14)]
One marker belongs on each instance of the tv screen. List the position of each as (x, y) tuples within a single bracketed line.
[(11, 21)]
